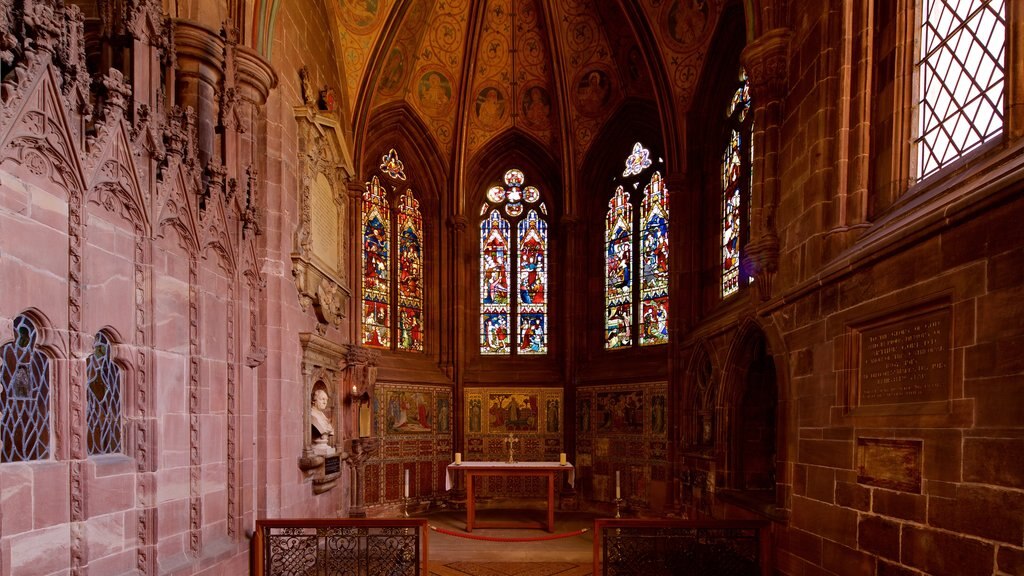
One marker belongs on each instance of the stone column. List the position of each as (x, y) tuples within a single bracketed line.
[(254, 80), (200, 56), (360, 377), (684, 295), (766, 61)]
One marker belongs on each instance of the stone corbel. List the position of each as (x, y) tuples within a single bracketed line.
[(761, 260)]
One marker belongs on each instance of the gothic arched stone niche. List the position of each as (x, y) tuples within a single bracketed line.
[(323, 364), (318, 258)]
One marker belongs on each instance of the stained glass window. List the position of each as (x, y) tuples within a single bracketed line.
[(103, 414), (513, 319), (392, 279), (376, 266), (736, 160), (961, 78), (654, 255), (410, 273), (618, 291), (636, 255), (24, 396), (532, 284)]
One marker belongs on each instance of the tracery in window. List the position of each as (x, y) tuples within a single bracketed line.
[(103, 413), (736, 159), (392, 282), (513, 320), (645, 232), (24, 396), (961, 79)]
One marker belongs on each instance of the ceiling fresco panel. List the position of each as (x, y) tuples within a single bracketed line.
[(592, 80), (359, 23), (433, 86)]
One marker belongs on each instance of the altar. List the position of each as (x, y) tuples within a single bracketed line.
[(543, 469)]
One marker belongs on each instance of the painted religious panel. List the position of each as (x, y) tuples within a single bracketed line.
[(408, 412), (620, 412), (512, 412), (534, 417), (622, 428), (413, 423)]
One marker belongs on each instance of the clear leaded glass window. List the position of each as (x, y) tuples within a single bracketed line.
[(104, 399), (24, 396), (644, 232), (736, 160), (513, 317), (961, 70), (392, 284)]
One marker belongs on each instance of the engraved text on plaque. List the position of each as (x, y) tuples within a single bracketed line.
[(907, 360)]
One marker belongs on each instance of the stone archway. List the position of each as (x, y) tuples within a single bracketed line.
[(756, 428)]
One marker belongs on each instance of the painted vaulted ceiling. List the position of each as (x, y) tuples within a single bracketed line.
[(556, 70)]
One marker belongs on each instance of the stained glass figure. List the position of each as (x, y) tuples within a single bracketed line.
[(376, 266), (961, 76), (618, 292), (103, 411), (513, 321), (734, 188), (392, 166), (638, 161), (24, 396), (532, 284), (410, 273), (654, 256), (495, 268)]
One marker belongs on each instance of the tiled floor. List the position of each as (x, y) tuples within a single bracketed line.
[(563, 556)]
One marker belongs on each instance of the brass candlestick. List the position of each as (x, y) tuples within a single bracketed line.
[(618, 507)]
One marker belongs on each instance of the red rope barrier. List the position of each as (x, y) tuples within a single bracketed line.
[(498, 539)]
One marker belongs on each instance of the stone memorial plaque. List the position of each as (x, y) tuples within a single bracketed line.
[(332, 465), (324, 216), (906, 360), (889, 463)]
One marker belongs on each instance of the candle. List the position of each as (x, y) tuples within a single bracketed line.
[(406, 482), (561, 458), (618, 491), (458, 457)]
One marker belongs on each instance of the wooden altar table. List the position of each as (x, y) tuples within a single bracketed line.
[(543, 469)]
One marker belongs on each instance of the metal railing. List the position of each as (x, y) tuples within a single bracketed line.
[(628, 547), (340, 547)]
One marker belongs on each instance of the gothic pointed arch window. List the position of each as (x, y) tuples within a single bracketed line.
[(736, 176), (636, 255), (513, 269), (24, 396), (392, 280), (103, 389)]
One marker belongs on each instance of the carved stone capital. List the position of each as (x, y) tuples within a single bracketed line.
[(767, 63), (360, 356), (458, 223)]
